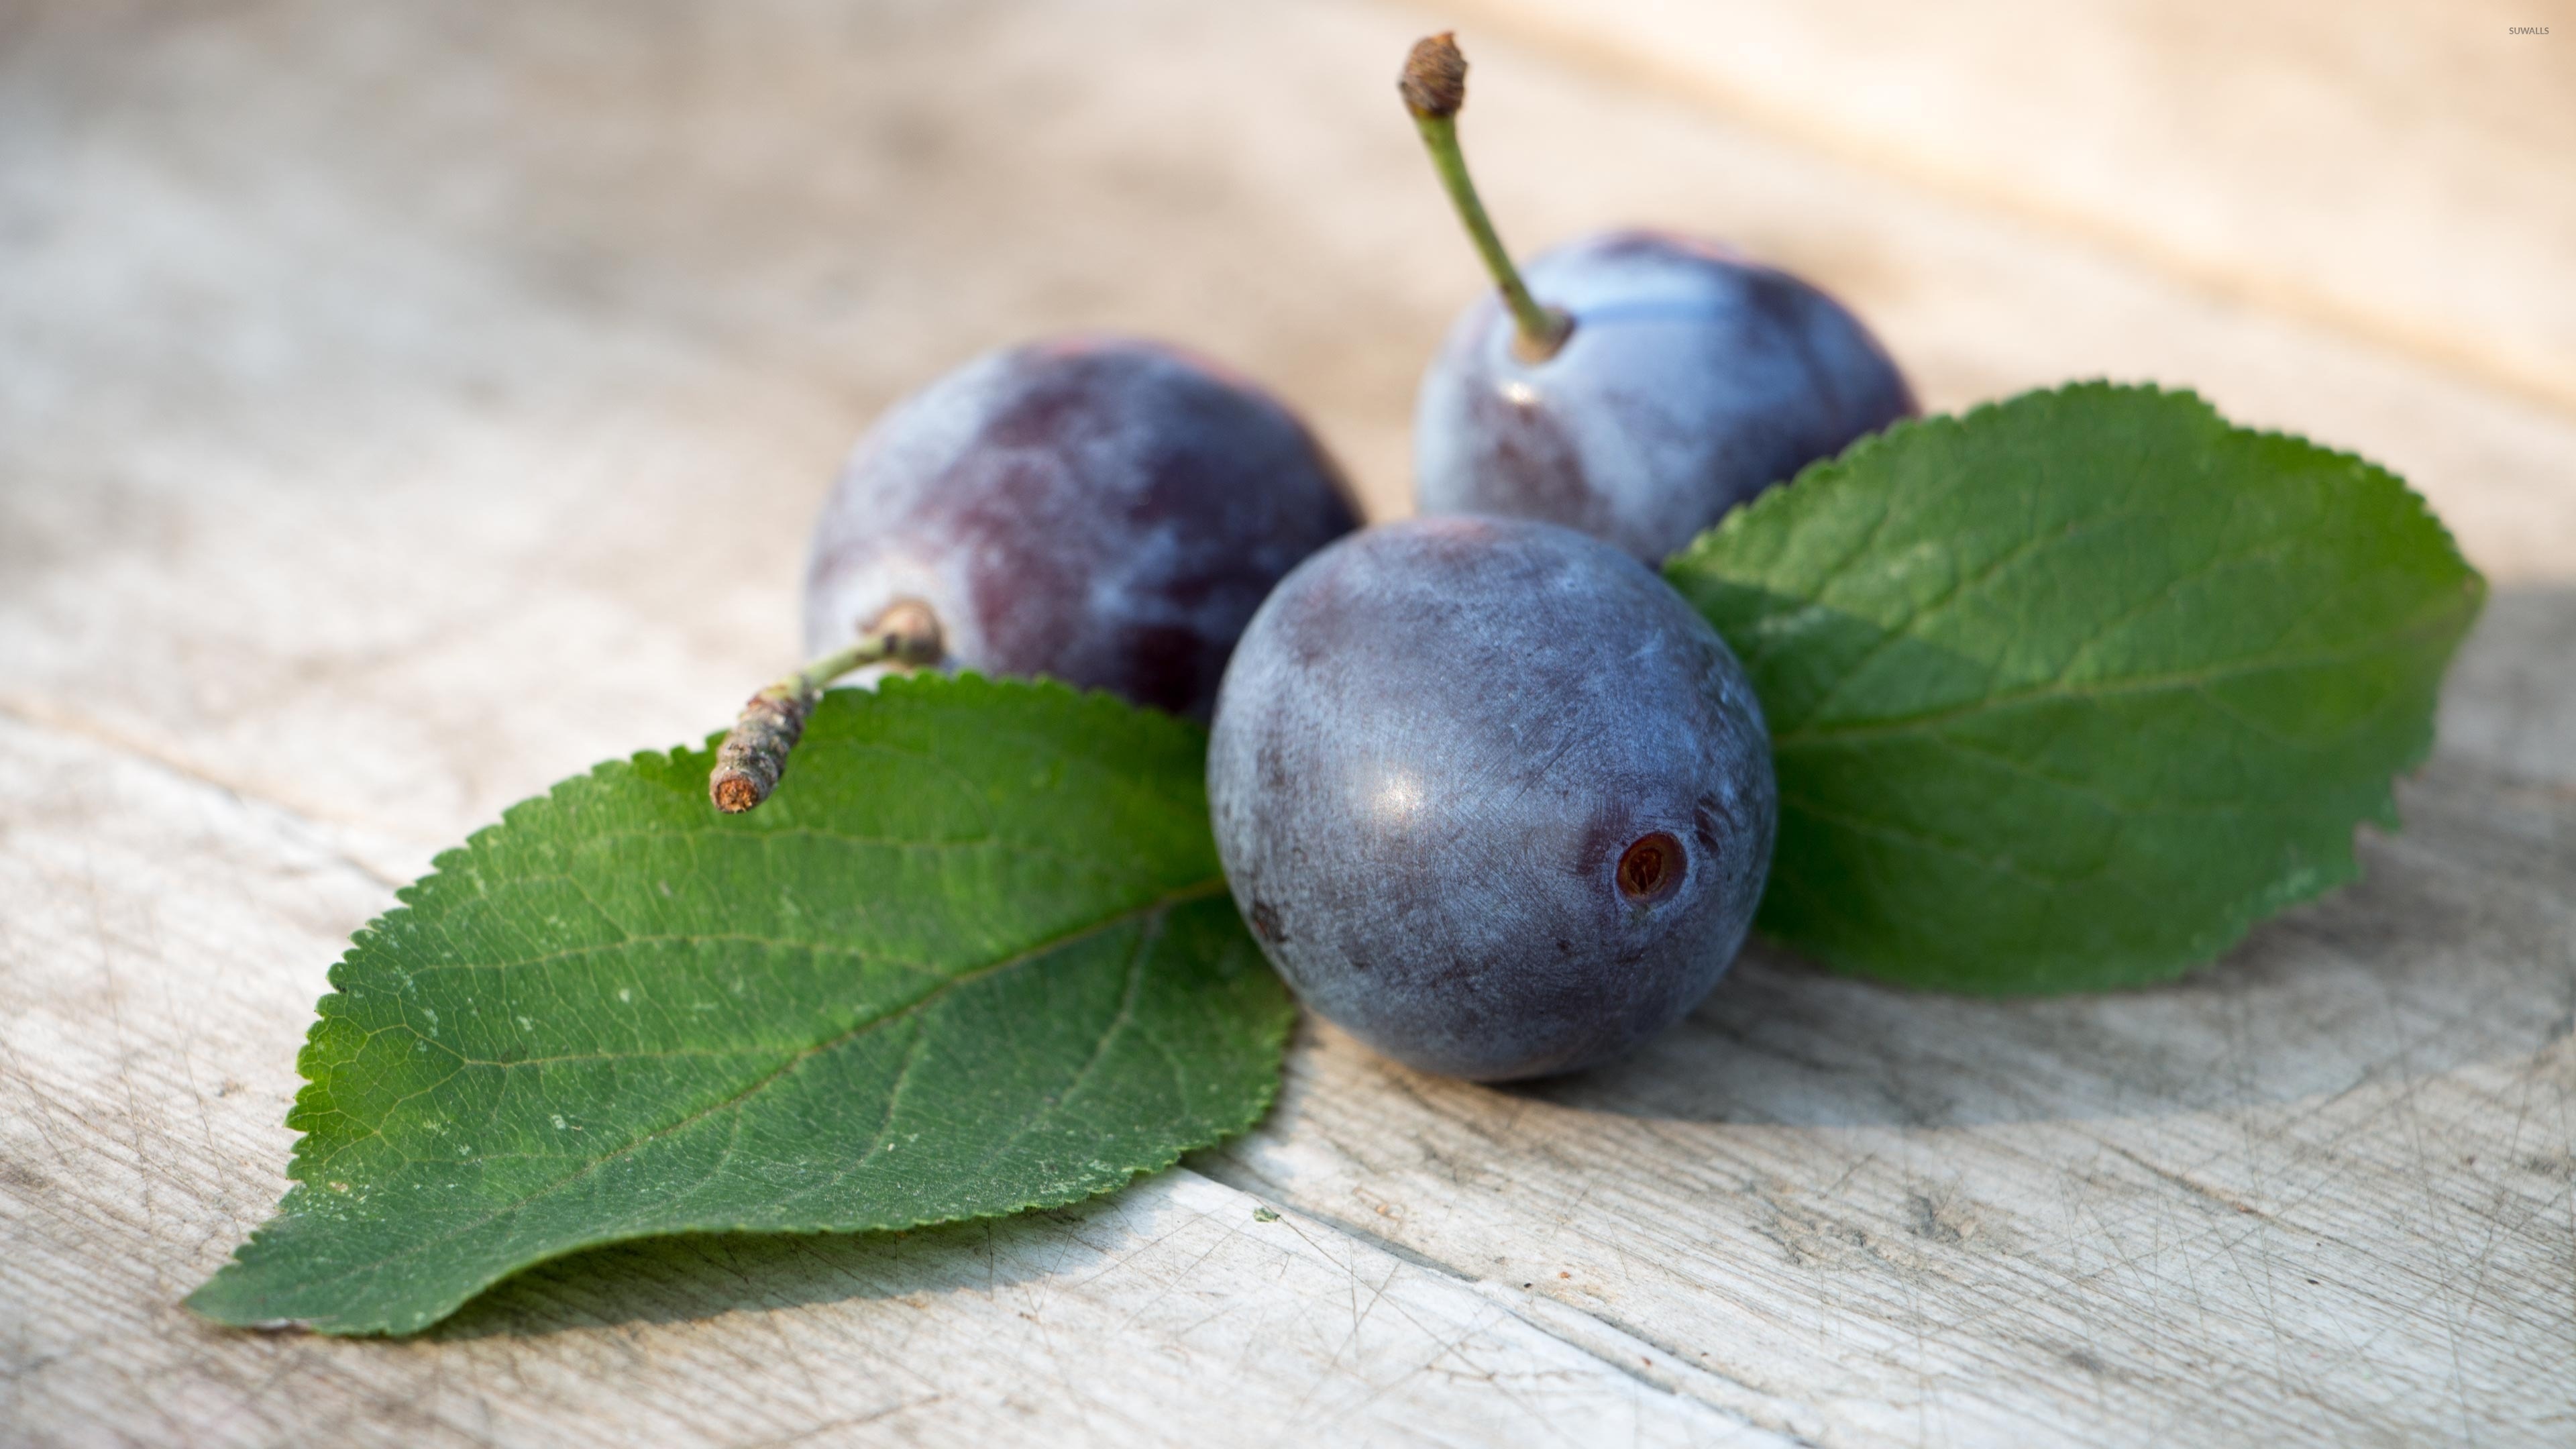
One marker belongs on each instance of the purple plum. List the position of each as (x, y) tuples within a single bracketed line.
[(1105, 511)]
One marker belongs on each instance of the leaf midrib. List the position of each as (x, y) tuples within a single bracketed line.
[(1197, 891), (2397, 641)]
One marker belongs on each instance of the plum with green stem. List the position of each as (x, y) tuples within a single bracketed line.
[(1633, 384)]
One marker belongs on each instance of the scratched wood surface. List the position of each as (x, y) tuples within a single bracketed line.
[(2399, 172), (402, 407)]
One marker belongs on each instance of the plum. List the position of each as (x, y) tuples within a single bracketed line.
[(1688, 381), (1105, 511), (1490, 794), (1101, 510), (1634, 384)]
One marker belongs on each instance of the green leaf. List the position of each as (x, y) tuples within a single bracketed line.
[(2069, 692), (975, 956)]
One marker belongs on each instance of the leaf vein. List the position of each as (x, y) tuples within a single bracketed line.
[(1150, 909)]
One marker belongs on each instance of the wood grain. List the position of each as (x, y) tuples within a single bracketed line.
[(138, 1127), (2320, 1195), (2397, 174), (407, 406)]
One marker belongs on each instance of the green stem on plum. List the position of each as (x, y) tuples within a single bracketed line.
[(1434, 86), (754, 753)]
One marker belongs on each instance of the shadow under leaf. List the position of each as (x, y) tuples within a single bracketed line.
[(697, 1276)]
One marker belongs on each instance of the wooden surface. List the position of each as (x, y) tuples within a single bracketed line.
[(404, 406)]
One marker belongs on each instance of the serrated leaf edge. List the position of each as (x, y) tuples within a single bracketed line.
[(2283, 891), (961, 684)]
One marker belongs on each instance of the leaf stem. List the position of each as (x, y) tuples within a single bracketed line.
[(1434, 86), (754, 753)]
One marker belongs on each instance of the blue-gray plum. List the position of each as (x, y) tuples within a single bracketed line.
[(1102, 510), (1490, 794), (1635, 385), (1689, 381)]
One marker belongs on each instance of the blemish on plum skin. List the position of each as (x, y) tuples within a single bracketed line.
[(1651, 868), (1265, 923), (1706, 820)]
